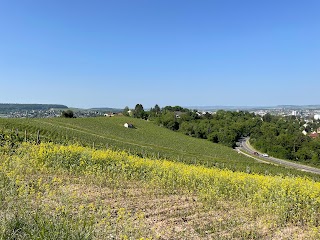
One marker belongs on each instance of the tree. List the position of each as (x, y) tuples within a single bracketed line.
[(169, 121), (125, 111), (175, 109), (267, 117), (155, 112), (139, 111), (67, 114), (207, 116), (157, 109), (227, 137)]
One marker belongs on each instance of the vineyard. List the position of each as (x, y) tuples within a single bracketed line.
[(74, 192), (145, 140)]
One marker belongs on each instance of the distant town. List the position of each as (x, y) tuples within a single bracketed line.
[(306, 113), (49, 113)]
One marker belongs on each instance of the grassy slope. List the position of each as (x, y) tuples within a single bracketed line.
[(146, 139)]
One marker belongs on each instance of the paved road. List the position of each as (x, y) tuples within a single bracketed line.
[(245, 146)]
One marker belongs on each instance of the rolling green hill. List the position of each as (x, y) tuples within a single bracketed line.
[(146, 139), (11, 107)]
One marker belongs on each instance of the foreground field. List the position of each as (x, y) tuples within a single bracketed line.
[(146, 140), (73, 192)]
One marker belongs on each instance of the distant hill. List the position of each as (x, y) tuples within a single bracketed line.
[(106, 109), (215, 108), (299, 106), (232, 108), (13, 107)]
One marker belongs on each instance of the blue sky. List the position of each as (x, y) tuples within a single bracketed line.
[(114, 53)]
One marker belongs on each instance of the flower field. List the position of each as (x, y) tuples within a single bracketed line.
[(75, 192)]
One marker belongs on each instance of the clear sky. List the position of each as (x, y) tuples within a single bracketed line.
[(114, 53)]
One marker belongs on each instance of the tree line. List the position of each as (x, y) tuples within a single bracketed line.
[(282, 137), (276, 135)]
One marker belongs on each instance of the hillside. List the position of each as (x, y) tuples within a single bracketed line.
[(13, 107), (145, 140), (50, 191)]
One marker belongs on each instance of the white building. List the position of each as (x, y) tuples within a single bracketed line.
[(317, 117)]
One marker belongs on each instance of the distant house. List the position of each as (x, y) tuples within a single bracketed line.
[(317, 117), (318, 130), (110, 114), (304, 132), (178, 114), (128, 125), (314, 135)]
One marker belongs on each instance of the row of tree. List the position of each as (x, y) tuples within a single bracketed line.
[(282, 137)]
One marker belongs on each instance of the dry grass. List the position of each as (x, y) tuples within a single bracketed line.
[(170, 215)]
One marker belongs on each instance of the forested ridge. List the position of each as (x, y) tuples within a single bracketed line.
[(11, 107)]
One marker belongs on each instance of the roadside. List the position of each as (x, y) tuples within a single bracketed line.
[(246, 149)]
